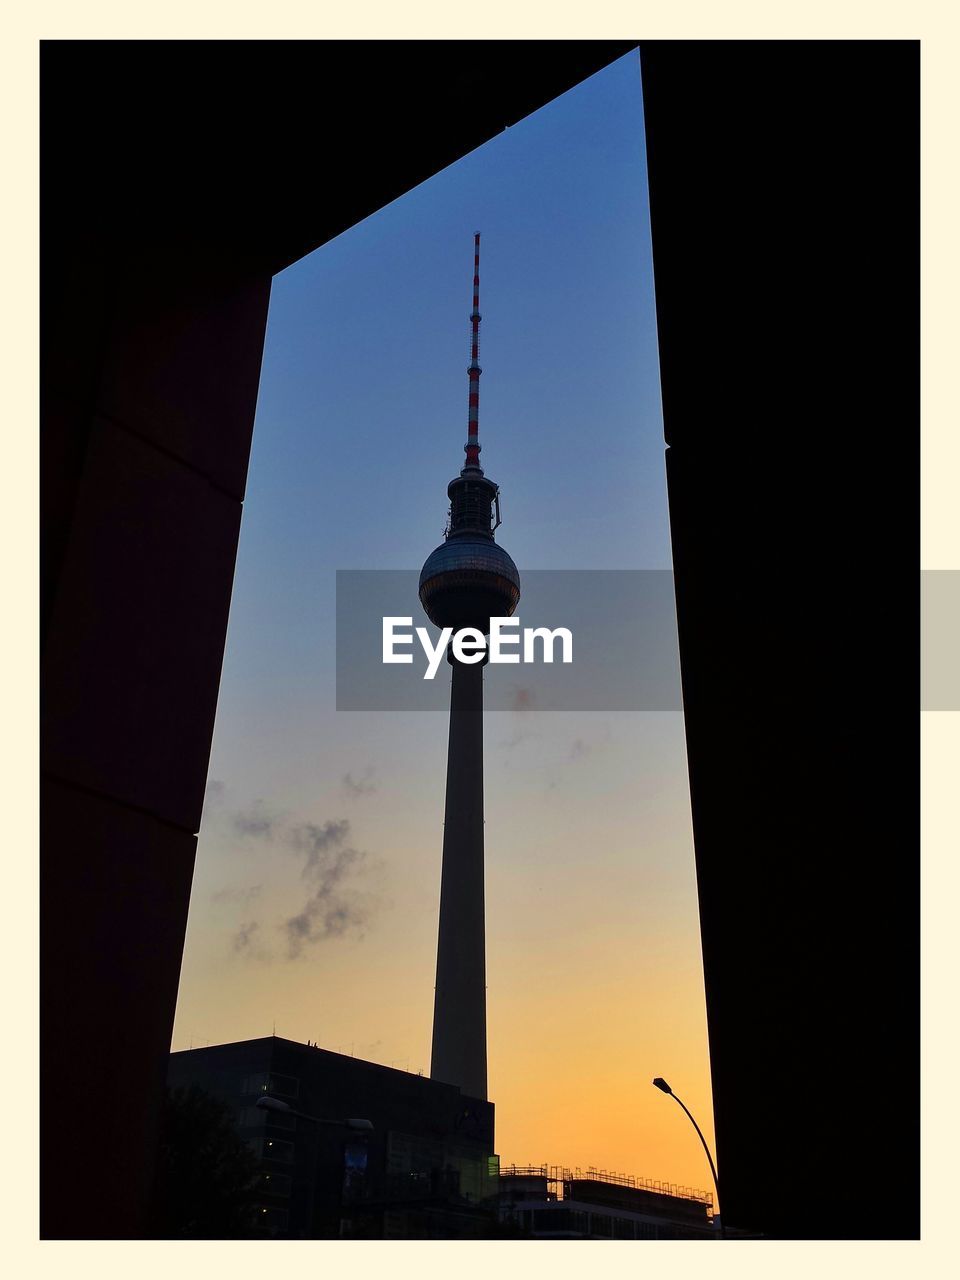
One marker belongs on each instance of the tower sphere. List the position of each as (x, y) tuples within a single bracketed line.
[(468, 580)]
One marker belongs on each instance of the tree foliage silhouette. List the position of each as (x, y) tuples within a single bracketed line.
[(206, 1173)]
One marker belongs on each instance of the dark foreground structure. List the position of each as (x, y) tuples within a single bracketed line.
[(176, 180), (550, 1203), (426, 1170)]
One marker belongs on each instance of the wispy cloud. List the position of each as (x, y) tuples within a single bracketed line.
[(246, 942), (317, 841), (212, 801), (231, 895), (580, 748), (333, 871), (255, 822), (334, 906), (244, 935), (363, 786), (521, 699)]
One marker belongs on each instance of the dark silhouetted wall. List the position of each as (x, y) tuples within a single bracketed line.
[(783, 193)]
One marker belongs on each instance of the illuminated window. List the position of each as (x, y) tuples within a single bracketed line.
[(283, 1086), (277, 1086), (271, 1218), (355, 1156), (276, 1184), (276, 1149)]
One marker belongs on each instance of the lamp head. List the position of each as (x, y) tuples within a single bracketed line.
[(661, 1084), (271, 1104)]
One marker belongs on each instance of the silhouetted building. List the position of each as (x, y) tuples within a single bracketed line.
[(427, 1170), (560, 1203)]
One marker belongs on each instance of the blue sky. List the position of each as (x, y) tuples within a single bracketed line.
[(360, 424)]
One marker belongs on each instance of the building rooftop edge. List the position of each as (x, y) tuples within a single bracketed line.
[(328, 1053)]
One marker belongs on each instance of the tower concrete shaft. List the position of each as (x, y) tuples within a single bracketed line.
[(465, 582), (459, 1054)]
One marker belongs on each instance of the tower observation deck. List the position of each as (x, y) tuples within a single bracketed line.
[(465, 582)]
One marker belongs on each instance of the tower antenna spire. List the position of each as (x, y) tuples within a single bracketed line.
[(465, 582), (472, 447)]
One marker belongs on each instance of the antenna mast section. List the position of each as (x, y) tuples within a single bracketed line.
[(472, 447)]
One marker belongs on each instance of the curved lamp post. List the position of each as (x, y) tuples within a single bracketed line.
[(662, 1085), (274, 1104), (266, 1103)]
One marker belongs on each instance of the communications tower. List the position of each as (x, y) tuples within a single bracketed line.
[(465, 582)]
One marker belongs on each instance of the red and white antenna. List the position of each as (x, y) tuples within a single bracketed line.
[(472, 447)]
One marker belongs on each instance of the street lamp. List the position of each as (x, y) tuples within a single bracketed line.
[(274, 1104), (266, 1103), (662, 1085)]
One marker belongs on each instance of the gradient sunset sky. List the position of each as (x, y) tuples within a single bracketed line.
[(593, 954)]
